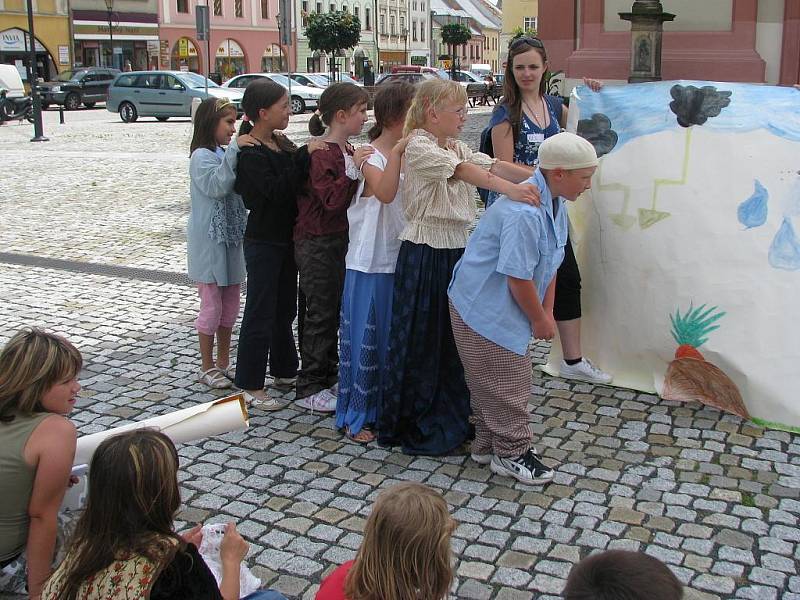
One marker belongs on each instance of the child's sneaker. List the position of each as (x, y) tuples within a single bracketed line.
[(527, 468), (322, 401), (584, 371)]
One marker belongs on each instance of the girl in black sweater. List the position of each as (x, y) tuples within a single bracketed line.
[(268, 178)]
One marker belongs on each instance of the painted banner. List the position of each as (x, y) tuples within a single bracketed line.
[(688, 243)]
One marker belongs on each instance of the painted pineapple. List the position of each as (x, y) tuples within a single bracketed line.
[(690, 376)]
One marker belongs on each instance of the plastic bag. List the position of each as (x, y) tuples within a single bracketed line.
[(209, 550)]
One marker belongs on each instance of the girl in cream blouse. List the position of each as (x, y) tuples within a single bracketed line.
[(425, 405)]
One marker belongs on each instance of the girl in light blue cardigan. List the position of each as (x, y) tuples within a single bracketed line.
[(214, 234)]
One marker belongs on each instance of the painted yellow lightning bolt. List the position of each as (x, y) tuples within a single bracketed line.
[(622, 218), (651, 216)]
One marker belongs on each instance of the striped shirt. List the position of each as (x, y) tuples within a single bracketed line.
[(438, 207)]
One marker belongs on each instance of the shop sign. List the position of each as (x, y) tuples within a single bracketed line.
[(119, 29), (183, 47), (164, 52), (272, 50), (421, 61), (63, 55), (229, 48), (14, 40)]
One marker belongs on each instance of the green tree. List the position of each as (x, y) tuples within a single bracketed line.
[(455, 34), (332, 32)]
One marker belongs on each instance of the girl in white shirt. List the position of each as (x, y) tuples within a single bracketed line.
[(375, 221)]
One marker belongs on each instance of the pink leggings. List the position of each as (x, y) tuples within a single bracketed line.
[(219, 307)]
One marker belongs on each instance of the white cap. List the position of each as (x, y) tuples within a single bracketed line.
[(566, 151)]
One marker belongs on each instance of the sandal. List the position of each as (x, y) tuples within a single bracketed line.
[(365, 436), (215, 379), (268, 403)]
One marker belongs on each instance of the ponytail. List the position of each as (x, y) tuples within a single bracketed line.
[(336, 97)]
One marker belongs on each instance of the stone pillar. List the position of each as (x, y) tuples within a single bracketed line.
[(647, 28)]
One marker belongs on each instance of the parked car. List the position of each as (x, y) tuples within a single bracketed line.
[(436, 72), (86, 86), (466, 77), (303, 97), (162, 94), (311, 80), (412, 78)]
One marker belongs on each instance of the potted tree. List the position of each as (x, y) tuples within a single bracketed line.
[(455, 35), (331, 33)]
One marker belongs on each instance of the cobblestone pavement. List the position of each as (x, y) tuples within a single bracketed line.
[(92, 243)]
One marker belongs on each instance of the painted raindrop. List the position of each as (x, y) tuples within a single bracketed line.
[(753, 211), (784, 252)]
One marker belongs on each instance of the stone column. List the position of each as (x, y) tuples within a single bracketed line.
[(647, 28)]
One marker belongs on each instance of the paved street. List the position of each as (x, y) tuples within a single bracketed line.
[(92, 246)]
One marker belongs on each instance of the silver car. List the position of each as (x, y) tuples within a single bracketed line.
[(303, 96), (162, 94)]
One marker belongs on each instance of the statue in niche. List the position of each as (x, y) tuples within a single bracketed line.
[(643, 62)]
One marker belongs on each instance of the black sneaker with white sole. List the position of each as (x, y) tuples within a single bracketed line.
[(527, 468)]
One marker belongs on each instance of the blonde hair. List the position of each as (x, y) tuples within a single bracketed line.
[(406, 552), (31, 363), (432, 93)]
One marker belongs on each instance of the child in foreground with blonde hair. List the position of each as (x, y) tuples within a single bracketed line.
[(425, 405), (405, 554)]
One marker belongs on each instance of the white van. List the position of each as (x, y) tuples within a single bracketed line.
[(11, 81)]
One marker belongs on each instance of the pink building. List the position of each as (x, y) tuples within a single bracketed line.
[(720, 40), (244, 37)]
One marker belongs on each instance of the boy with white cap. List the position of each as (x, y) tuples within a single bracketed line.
[(502, 292)]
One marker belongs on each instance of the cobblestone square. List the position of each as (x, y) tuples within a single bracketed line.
[(92, 245)]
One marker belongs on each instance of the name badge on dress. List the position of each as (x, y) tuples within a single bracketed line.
[(535, 138)]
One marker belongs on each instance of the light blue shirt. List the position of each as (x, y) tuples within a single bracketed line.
[(212, 175), (511, 239)]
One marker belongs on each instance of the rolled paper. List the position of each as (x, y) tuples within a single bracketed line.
[(186, 425)]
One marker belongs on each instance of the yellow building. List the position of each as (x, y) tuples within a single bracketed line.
[(51, 29), (517, 14)]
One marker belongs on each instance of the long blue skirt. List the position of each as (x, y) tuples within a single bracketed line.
[(363, 339), (425, 406)]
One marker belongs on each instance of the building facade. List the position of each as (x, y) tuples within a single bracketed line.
[(51, 31), (484, 23), (718, 40), (244, 37), (131, 26), (518, 14), (350, 60)]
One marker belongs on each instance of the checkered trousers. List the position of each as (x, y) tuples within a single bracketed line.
[(499, 383)]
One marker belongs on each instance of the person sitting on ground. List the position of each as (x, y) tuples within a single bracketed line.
[(127, 530), (38, 388), (501, 292), (622, 575), (405, 554)]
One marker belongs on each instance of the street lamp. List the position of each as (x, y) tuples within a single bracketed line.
[(38, 131), (110, 8)]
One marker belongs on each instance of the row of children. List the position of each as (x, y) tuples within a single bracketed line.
[(376, 255)]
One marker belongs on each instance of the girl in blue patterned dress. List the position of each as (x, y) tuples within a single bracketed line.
[(375, 219)]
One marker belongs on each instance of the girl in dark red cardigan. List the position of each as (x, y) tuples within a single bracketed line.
[(320, 240)]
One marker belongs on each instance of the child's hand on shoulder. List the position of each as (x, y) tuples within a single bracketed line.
[(246, 140), (316, 144), (401, 144), (362, 154), (525, 192)]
